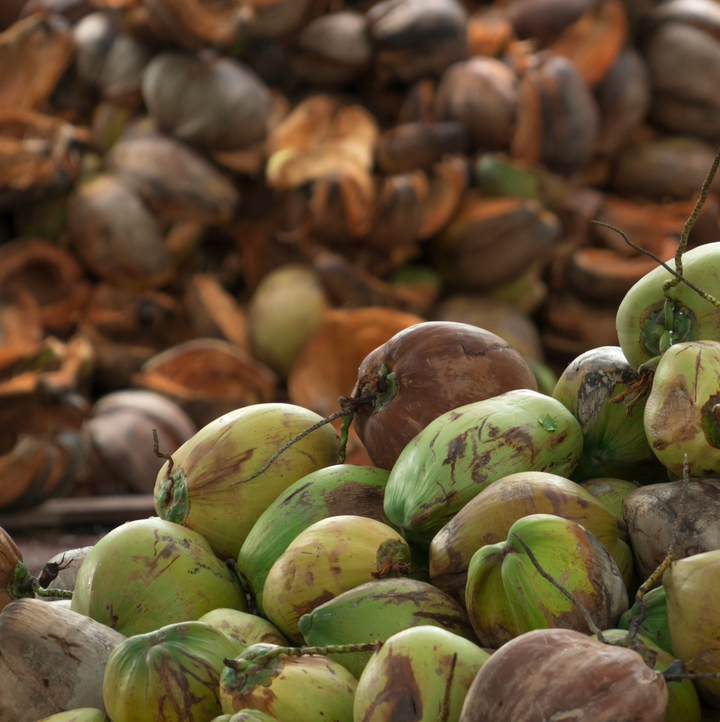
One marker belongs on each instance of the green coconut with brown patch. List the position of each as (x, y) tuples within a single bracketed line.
[(149, 573), (488, 517), (507, 596), (376, 611), (330, 557), (303, 688), (614, 441), (465, 450), (333, 491), (210, 483), (420, 674), (682, 414), (170, 675)]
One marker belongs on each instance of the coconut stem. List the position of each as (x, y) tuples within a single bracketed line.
[(268, 654), (545, 575), (689, 223), (51, 593), (671, 271), (345, 411), (162, 455)]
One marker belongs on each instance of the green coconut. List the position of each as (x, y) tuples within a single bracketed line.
[(506, 596), (420, 674), (212, 487), (465, 450), (292, 688), (149, 573), (333, 491), (376, 611), (614, 441), (246, 629), (170, 675)]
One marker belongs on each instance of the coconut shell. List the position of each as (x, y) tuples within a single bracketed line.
[(559, 673), (53, 659)]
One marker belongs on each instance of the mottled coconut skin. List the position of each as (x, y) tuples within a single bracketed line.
[(439, 366), (560, 674)]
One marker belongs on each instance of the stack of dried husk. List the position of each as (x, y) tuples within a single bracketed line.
[(207, 204)]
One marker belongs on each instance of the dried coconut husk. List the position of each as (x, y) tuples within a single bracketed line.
[(50, 275), (501, 318), (333, 50), (207, 378), (127, 328), (489, 32), (543, 21), (118, 441), (172, 179), (558, 120), (117, 237), (417, 38), (38, 468), (332, 146), (623, 96), (482, 94), (328, 365), (467, 253), (448, 182), (39, 156), (21, 330), (214, 313), (107, 59), (212, 102), (271, 19), (605, 276), (34, 53), (584, 325), (662, 168), (594, 41), (53, 660), (196, 23), (349, 286), (411, 146)]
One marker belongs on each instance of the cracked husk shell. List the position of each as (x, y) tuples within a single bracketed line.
[(463, 451), (614, 440), (293, 689), (169, 675), (488, 517), (414, 673), (692, 586), (330, 557), (375, 612), (506, 597), (640, 316), (563, 674), (336, 490), (207, 489), (682, 413), (149, 573)]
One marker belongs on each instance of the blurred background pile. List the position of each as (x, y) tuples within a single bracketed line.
[(206, 204)]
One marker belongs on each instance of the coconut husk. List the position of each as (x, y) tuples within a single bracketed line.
[(207, 378)]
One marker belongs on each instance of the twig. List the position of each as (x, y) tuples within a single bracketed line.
[(348, 410), (672, 271), (583, 610), (690, 222), (161, 455)]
